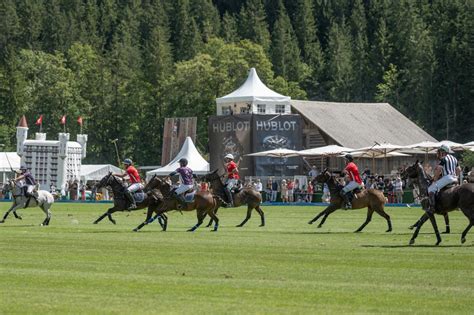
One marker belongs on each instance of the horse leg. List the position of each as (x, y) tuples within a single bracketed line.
[(446, 221), (367, 220), (12, 208), (17, 216), (106, 213), (147, 221), (214, 217), (324, 212), (249, 214), (200, 216), (109, 215), (411, 227), (421, 221), (384, 215), (211, 220), (48, 215), (435, 228), (464, 233), (262, 215)]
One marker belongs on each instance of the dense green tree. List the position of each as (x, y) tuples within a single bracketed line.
[(229, 28), (253, 24)]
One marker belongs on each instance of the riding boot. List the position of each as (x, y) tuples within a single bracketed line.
[(432, 199), (346, 199), (130, 197), (182, 201), (230, 200)]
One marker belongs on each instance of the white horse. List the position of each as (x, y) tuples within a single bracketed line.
[(44, 200)]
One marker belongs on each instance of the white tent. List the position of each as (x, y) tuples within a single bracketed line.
[(11, 157), (97, 171), (255, 97), (195, 161), (5, 170)]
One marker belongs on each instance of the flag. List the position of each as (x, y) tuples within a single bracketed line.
[(79, 120), (63, 120), (39, 121)]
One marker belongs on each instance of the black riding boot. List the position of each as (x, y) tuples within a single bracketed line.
[(432, 199), (230, 200), (129, 195), (347, 200), (181, 200)]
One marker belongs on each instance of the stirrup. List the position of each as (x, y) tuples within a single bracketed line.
[(132, 206)]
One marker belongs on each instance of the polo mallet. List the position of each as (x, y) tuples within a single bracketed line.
[(116, 151)]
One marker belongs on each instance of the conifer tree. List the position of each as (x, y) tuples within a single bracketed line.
[(253, 24)]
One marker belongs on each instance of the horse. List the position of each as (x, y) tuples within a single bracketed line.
[(203, 202), (45, 200), (373, 199), (247, 196), (448, 199), (150, 200)]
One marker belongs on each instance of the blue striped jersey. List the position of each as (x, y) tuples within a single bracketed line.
[(449, 164)]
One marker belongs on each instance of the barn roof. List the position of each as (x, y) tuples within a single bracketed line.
[(356, 125)]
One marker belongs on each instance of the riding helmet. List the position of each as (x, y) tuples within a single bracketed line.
[(128, 162), (444, 148), (349, 157), (183, 161), (23, 168), (229, 156)]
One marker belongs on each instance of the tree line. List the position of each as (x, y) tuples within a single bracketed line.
[(125, 65)]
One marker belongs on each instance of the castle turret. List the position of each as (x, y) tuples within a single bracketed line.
[(21, 135), (62, 160), (82, 139)]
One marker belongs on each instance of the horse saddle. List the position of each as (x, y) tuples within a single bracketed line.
[(139, 196), (189, 195), (237, 188)]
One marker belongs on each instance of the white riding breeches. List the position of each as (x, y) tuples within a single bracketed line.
[(231, 183), (183, 188), (442, 182), (351, 186), (30, 188), (135, 187)]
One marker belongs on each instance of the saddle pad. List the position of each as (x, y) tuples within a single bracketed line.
[(139, 196), (189, 197)]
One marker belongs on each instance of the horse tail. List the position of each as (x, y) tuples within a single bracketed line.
[(218, 199)]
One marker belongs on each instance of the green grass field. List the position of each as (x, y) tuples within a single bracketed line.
[(286, 267)]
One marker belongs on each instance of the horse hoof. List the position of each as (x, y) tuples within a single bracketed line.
[(2, 221), (213, 230), (389, 230), (357, 231), (95, 222), (114, 222), (445, 232), (239, 225), (261, 225), (411, 227), (411, 242), (320, 226), (463, 240), (310, 222), (438, 242), (135, 230), (19, 218)]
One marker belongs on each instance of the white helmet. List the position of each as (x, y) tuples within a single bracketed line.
[(229, 156), (444, 148)]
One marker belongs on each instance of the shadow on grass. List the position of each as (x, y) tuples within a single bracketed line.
[(20, 226), (417, 246)]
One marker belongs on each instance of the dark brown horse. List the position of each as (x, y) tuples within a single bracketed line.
[(449, 199), (373, 199), (151, 201), (247, 196), (204, 203)]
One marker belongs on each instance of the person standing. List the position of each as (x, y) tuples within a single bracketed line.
[(446, 172), (284, 191), (355, 181), (232, 177), (398, 187), (274, 191), (258, 185), (291, 186)]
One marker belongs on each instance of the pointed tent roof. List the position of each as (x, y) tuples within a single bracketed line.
[(22, 122), (195, 161), (252, 90)]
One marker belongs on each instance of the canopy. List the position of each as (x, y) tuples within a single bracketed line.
[(329, 150), (279, 153), (253, 90), (469, 144), (14, 159), (376, 155), (188, 151), (97, 171)]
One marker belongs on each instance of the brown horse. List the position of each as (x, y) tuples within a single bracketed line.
[(373, 199), (247, 196), (151, 201), (449, 199), (204, 203)]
